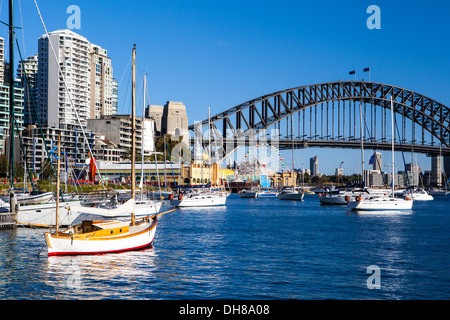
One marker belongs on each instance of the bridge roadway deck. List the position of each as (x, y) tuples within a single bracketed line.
[(286, 144)]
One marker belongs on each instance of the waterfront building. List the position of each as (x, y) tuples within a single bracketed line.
[(2, 60), (412, 173), (74, 147), (314, 166), (376, 161), (117, 128), (27, 72), (169, 119), (103, 86), (197, 174), (115, 96), (121, 172), (73, 60), (4, 113), (436, 170), (339, 172), (373, 178)]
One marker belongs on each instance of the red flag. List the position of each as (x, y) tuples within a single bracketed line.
[(92, 169)]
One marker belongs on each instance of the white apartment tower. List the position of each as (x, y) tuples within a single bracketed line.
[(102, 83), (2, 60), (27, 72), (73, 60)]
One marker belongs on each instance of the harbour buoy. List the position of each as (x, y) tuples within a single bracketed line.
[(171, 197), (347, 198), (180, 197), (358, 198)]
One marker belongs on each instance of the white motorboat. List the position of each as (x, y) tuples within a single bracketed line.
[(291, 193), (199, 199), (418, 195), (248, 193)]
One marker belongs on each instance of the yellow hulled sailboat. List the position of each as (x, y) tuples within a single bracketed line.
[(105, 236)]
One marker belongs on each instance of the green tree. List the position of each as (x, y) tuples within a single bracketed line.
[(3, 164)]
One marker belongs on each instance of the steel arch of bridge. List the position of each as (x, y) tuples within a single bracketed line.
[(246, 119)]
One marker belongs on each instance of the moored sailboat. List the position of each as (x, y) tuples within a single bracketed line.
[(99, 237), (201, 197), (292, 193), (388, 202)]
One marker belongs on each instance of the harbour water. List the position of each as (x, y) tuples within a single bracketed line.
[(251, 249)]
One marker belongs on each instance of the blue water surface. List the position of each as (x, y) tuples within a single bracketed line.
[(250, 249)]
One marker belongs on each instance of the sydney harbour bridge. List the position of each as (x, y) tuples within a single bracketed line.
[(332, 115)]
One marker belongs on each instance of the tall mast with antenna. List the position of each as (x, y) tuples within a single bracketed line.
[(133, 134), (12, 171)]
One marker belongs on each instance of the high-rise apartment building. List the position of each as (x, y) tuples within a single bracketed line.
[(375, 160), (314, 166), (103, 86), (436, 170), (68, 72), (412, 173), (2, 60), (4, 113), (27, 72)]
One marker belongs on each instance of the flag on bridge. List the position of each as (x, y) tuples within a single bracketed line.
[(366, 69), (372, 159), (352, 72)]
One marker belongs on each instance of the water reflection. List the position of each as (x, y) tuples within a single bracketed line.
[(381, 213), (101, 276)]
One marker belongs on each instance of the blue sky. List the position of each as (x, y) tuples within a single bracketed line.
[(223, 53)]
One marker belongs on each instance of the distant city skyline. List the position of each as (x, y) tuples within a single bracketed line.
[(209, 53)]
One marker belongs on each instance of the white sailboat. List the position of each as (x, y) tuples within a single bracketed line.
[(99, 237), (388, 202), (292, 193), (201, 197)]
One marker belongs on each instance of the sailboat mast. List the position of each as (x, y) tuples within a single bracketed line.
[(362, 144), (133, 133), (293, 160), (141, 183), (12, 171), (58, 183), (392, 133), (209, 145)]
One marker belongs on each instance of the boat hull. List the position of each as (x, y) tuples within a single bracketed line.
[(138, 237), (294, 196), (267, 195), (200, 201), (35, 199), (43, 215), (248, 194), (381, 205), (333, 200)]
